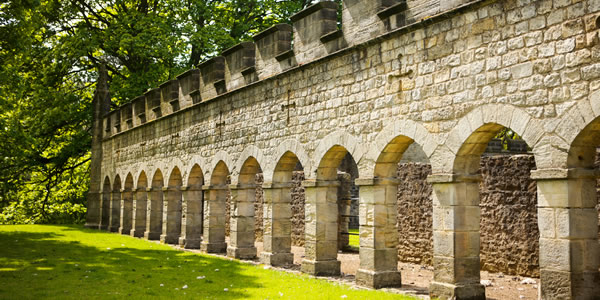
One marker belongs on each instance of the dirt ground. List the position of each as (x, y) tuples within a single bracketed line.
[(416, 278)]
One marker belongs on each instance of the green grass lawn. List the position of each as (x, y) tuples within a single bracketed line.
[(70, 262), (354, 238)]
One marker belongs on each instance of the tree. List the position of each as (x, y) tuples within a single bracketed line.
[(50, 52)]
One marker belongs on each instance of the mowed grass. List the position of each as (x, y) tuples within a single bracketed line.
[(71, 262), (354, 239)]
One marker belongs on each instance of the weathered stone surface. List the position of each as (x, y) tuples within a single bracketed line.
[(447, 75)]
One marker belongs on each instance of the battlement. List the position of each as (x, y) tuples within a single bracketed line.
[(314, 35)]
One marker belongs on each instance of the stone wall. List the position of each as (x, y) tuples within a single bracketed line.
[(414, 213), (509, 230), (298, 209)]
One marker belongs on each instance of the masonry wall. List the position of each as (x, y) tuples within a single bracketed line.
[(509, 230)]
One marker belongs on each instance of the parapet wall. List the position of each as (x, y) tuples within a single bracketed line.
[(315, 35)]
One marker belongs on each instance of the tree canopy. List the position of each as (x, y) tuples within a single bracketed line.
[(50, 53)]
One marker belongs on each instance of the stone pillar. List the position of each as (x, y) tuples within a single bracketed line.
[(568, 223), (171, 222), (126, 211), (94, 210), (344, 201), (241, 233), (321, 228), (378, 234), (154, 213), (277, 224), (456, 216), (105, 211), (115, 211), (213, 239), (138, 225), (191, 218)]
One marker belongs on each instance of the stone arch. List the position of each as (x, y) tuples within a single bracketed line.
[(286, 164), (288, 146), (248, 171), (580, 128), (196, 177), (140, 206), (250, 152), (172, 198), (468, 139), (223, 158), (391, 143), (155, 207), (220, 174), (127, 205), (106, 190), (330, 152)]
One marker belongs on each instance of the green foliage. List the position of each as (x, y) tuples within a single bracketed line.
[(50, 51), (68, 262)]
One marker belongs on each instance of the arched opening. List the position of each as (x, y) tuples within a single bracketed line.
[(140, 206), (154, 215), (493, 202), (242, 209), (283, 218), (105, 219), (127, 206), (172, 209), (215, 210), (115, 205), (192, 217), (327, 212)]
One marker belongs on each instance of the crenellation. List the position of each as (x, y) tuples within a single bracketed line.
[(274, 50), (153, 100), (115, 121), (240, 65), (170, 96), (310, 25), (189, 82), (126, 115), (139, 110), (212, 77)]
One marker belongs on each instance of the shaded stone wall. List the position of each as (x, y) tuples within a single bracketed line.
[(298, 209), (509, 231), (415, 213), (598, 188)]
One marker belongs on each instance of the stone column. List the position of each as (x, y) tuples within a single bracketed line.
[(191, 218), (241, 233), (115, 211), (277, 224), (344, 201), (378, 233), (138, 225), (126, 211), (154, 213), (321, 227), (171, 222), (105, 211), (568, 223), (213, 239), (94, 210), (456, 217)]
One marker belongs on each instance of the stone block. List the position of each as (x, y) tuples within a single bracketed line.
[(241, 253), (276, 259), (379, 279), (213, 247), (440, 290), (321, 268)]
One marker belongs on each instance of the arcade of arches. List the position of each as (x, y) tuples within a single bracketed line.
[(399, 82)]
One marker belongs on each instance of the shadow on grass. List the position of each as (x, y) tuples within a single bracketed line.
[(72, 262)]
